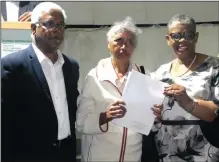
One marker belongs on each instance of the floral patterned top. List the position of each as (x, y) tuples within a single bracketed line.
[(180, 137)]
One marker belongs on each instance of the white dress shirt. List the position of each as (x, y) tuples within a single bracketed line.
[(55, 80), (12, 9)]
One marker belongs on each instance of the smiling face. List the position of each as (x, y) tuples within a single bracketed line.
[(182, 38), (50, 30), (122, 45)]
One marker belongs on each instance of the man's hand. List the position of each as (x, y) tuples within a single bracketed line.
[(25, 17)]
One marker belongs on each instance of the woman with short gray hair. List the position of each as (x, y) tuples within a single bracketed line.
[(99, 102), (192, 98)]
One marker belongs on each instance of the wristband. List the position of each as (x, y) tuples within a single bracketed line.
[(194, 104)]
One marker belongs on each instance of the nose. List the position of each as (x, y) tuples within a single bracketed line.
[(124, 45), (57, 29), (182, 39)]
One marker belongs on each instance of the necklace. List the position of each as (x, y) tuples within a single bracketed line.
[(188, 67)]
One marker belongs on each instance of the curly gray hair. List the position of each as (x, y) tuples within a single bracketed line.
[(124, 25)]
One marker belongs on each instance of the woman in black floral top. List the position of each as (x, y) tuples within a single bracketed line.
[(189, 118)]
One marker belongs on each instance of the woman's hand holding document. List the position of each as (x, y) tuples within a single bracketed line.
[(140, 94)]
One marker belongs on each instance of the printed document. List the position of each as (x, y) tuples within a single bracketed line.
[(140, 93)]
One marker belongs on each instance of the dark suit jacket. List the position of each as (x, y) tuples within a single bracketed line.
[(24, 6), (29, 121)]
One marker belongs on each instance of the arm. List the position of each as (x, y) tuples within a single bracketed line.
[(210, 130), (204, 110), (26, 16), (87, 118)]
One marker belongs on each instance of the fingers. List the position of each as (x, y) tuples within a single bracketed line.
[(28, 19), (22, 17), (174, 90), (117, 111), (174, 87), (118, 107), (159, 106), (25, 17), (157, 112), (119, 102), (117, 114)]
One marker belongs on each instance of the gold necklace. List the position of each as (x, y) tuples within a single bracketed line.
[(188, 67)]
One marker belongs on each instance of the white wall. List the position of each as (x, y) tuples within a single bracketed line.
[(88, 46), (142, 12)]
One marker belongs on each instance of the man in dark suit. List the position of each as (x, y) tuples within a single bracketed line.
[(24, 10), (39, 93)]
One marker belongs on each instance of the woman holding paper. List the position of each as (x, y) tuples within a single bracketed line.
[(190, 113), (99, 102)]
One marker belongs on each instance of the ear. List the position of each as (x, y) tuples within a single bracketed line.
[(168, 39), (196, 37), (108, 45), (33, 28)]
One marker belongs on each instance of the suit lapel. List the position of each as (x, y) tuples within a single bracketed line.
[(69, 81), (39, 72)]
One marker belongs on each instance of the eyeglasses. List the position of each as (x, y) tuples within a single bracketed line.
[(50, 24), (185, 35), (121, 41)]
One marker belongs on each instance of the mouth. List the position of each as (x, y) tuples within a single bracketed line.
[(57, 40), (123, 52), (182, 48)]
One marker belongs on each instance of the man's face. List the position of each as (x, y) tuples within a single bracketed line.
[(50, 30)]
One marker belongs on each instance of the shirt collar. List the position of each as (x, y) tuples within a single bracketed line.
[(105, 70), (41, 57)]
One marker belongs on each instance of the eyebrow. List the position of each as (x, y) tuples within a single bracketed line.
[(118, 38), (61, 22)]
